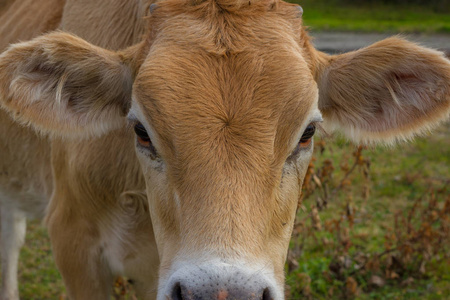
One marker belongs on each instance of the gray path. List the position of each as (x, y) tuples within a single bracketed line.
[(335, 42)]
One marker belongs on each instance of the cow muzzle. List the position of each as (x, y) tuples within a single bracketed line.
[(221, 281)]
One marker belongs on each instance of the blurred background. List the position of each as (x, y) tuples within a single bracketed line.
[(372, 223), (432, 16)]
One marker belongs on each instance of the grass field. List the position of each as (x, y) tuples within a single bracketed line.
[(374, 17), (397, 177), (396, 211)]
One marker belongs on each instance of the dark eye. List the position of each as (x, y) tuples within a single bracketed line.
[(143, 139), (142, 135), (306, 138)]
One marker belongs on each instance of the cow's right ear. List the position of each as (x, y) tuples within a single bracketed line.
[(64, 86)]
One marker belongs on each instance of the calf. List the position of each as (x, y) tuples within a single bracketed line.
[(224, 98)]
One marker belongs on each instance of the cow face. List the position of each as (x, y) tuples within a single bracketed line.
[(225, 99), (224, 125)]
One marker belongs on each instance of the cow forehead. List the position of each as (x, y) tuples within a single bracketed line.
[(185, 90), (241, 87)]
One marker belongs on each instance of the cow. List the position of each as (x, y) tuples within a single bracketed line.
[(224, 98)]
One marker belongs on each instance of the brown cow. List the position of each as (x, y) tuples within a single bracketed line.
[(224, 97)]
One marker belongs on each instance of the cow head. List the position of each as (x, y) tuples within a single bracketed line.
[(224, 98)]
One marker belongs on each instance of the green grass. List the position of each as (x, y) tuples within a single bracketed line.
[(369, 17), (38, 276)]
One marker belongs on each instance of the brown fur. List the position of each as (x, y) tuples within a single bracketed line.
[(243, 118), (63, 67), (25, 176), (25, 19), (225, 89), (18, 165), (97, 205)]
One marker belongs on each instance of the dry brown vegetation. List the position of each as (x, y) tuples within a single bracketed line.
[(361, 261)]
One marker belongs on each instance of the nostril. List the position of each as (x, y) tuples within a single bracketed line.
[(267, 295), (176, 292)]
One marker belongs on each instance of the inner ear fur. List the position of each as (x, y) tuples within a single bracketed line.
[(62, 85), (389, 91)]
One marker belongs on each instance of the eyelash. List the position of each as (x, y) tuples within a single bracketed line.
[(299, 147), (307, 136), (143, 139)]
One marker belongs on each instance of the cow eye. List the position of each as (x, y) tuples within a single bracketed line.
[(143, 139), (304, 142), (306, 138)]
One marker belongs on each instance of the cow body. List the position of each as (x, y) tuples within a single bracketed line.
[(105, 218), (224, 98)]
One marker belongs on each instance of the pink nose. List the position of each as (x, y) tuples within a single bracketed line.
[(222, 295)]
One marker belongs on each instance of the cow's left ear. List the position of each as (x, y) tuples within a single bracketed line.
[(389, 91), (64, 86)]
